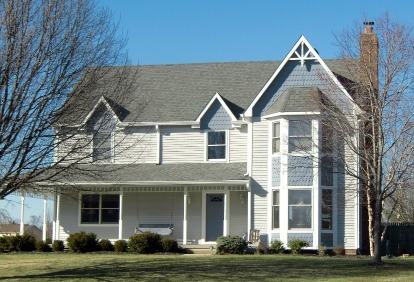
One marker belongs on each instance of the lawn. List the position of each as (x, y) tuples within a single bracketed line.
[(112, 267)]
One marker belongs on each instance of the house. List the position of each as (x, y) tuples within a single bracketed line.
[(220, 149), (14, 229)]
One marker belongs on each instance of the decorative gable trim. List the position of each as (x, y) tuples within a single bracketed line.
[(209, 104), (302, 56), (103, 101)]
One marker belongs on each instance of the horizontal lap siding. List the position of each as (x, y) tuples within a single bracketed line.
[(238, 145), (238, 213), (77, 147), (182, 145), (259, 175), (153, 208), (138, 146)]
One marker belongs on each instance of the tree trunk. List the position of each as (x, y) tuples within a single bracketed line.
[(377, 232)]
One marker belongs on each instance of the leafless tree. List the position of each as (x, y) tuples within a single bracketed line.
[(5, 217), (54, 58), (382, 138)]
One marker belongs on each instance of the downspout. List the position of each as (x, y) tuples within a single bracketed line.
[(158, 132)]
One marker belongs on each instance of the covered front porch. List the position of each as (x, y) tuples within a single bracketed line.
[(191, 214)]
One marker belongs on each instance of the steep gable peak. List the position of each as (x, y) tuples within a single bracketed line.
[(302, 51), (223, 103), (101, 102)]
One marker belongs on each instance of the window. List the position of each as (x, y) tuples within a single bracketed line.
[(99, 209), (300, 136), (102, 147), (275, 209), (300, 208), (276, 138), (326, 209), (216, 147)]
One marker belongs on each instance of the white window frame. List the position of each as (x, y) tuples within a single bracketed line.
[(309, 137), (112, 141), (273, 210), (275, 138), (99, 223), (311, 205), (226, 145)]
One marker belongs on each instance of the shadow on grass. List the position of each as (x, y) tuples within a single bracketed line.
[(228, 268)]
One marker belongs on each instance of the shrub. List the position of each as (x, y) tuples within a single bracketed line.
[(276, 247), (13, 242), (48, 241), (27, 243), (231, 245), (296, 245), (82, 242), (58, 246), (169, 245), (339, 250), (4, 243), (322, 251), (145, 243), (106, 245), (121, 246), (42, 246)]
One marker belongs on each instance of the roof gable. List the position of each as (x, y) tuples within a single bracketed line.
[(216, 102), (95, 110), (301, 52)]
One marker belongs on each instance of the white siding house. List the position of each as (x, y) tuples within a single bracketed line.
[(220, 149)]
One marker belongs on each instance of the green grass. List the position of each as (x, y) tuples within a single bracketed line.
[(108, 267)]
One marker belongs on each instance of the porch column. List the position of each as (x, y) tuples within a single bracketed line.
[(54, 217), (44, 217), (22, 214), (249, 213), (121, 197), (226, 211), (57, 216), (185, 216)]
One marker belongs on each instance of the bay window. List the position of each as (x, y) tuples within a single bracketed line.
[(276, 138), (275, 209), (300, 208), (326, 209), (300, 136)]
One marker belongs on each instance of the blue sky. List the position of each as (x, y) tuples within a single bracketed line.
[(196, 31)]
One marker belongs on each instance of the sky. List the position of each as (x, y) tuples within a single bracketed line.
[(202, 31)]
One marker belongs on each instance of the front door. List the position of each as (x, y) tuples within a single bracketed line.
[(214, 216)]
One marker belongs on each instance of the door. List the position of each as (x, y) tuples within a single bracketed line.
[(214, 216)]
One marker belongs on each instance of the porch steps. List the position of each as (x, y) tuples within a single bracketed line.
[(200, 249)]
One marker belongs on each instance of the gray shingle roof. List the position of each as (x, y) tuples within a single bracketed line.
[(180, 92), (297, 99), (177, 172)]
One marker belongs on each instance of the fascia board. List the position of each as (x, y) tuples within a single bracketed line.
[(109, 108)]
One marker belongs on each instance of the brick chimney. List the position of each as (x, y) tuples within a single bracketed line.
[(369, 56)]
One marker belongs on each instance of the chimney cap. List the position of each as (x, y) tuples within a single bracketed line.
[(369, 23)]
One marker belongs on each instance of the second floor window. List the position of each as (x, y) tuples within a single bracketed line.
[(275, 206), (276, 138), (102, 147), (216, 145), (300, 136)]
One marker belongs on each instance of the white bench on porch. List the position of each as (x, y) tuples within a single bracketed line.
[(161, 229)]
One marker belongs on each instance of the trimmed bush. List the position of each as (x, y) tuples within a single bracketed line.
[(106, 245), (82, 242), (276, 247), (42, 246), (4, 243), (296, 245), (27, 243), (145, 243), (169, 245), (231, 245), (121, 246), (58, 246)]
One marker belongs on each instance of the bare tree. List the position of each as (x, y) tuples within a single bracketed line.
[(5, 217), (54, 58), (381, 141)]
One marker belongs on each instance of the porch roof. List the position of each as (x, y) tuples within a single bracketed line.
[(147, 174)]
